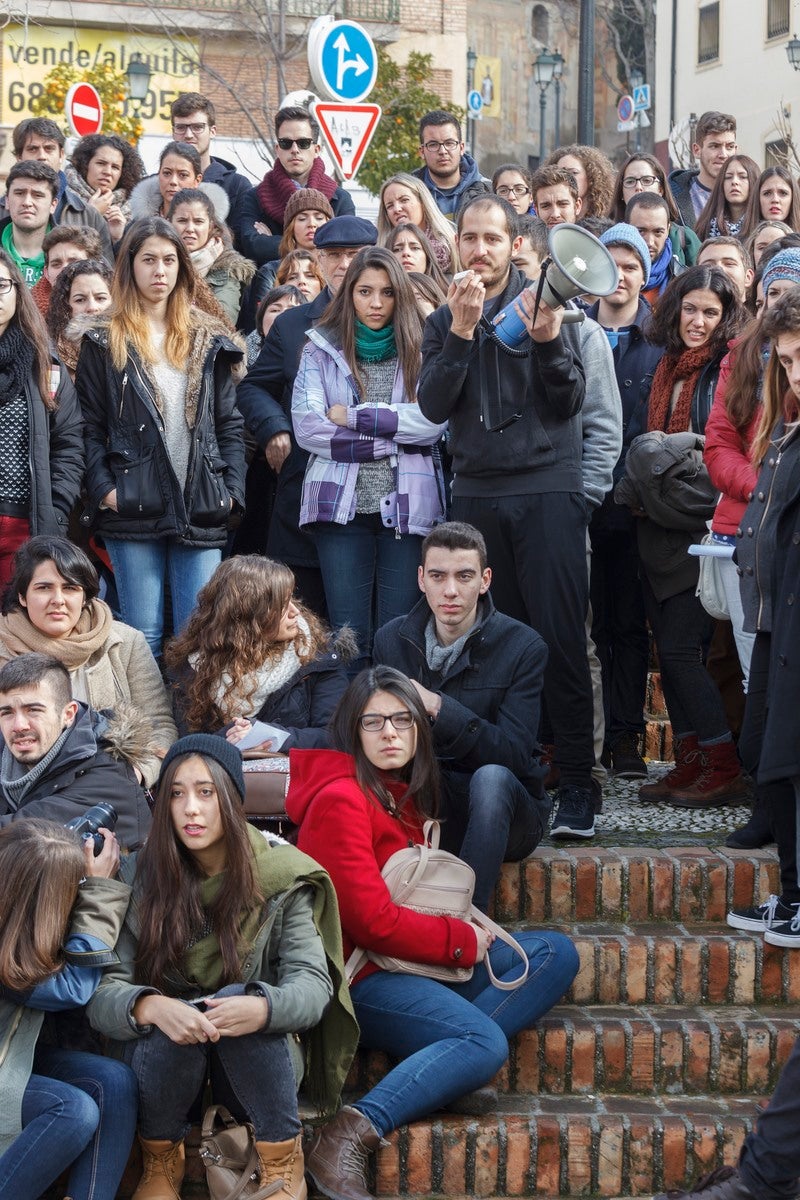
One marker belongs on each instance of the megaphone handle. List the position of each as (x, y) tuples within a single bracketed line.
[(540, 287)]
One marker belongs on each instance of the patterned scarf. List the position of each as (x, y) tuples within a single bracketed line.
[(16, 363), (277, 187), (670, 371)]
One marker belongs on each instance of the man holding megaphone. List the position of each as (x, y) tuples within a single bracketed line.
[(514, 413)]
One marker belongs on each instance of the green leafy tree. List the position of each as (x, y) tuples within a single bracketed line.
[(112, 87), (404, 95)]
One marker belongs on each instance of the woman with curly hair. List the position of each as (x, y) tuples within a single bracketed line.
[(104, 169), (404, 199), (727, 212), (414, 252), (251, 652), (593, 173), (82, 289), (775, 197), (697, 315)]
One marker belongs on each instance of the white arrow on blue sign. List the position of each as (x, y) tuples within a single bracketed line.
[(641, 97), (346, 62)]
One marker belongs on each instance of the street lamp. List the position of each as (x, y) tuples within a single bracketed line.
[(793, 52), (138, 74), (544, 67), (558, 71), (472, 58)]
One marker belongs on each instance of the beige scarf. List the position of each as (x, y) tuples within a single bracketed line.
[(19, 636)]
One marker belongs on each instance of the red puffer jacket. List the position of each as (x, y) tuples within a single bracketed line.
[(350, 834), (727, 456)]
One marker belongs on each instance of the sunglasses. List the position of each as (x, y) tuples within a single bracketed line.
[(301, 143)]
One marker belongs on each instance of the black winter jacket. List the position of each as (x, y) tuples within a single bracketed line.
[(236, 187), (125, 447), (539, 452), (91, 766), (491, 694), (264, 247), (780, 750), (56, 450)]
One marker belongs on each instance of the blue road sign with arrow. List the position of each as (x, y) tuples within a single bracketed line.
[(348, 62)]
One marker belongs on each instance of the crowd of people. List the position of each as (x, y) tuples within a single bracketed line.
[(266, 461)]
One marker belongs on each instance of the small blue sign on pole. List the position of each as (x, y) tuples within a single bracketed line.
[(474, 103), (641, 97), (346, 62)]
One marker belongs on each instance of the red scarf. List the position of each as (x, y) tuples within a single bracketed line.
[(276, 188), (671, 370)]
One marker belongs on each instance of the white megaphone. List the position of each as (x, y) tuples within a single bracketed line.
[(579, 264)]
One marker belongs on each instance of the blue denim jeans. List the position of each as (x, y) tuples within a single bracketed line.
[(452, 1038), (370, 574), (77, 1108), (251, 1075), (141, 570), (491, 818)]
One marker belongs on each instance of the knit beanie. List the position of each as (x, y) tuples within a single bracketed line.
[(303, 200), (626, 235), (208, 745), (785, 265)]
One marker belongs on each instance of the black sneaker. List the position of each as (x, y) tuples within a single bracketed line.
[(787, 934), (626, 759), (575, 813), (763, 917)]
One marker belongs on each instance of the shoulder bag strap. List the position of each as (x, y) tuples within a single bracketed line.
[(480, 918)]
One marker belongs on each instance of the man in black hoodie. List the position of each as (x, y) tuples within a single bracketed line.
[(517, 445)]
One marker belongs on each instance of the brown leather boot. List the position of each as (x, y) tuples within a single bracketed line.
[(164, 1166), (338, 1154), (282, 1162), (720, 781), (688, 765)]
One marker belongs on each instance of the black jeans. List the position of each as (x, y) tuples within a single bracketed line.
[(777, 797), (537, 552), (619, 629), (770, 1158), (251, 1075), (682, 629)]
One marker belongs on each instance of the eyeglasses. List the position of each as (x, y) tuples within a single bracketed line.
[(645, 180), (374, 722), (301, 143), (519, 189), (6, 285), (179, 130), (450, 145)]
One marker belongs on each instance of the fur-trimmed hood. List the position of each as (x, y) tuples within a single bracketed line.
[(124, 732), (146, 199), (232, 263)]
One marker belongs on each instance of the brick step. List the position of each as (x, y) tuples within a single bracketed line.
[(662, 1050), (587, 883)]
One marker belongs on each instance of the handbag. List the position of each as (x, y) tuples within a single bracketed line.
[(266, 782), (230, 1158), (710, 587), (437, 883)]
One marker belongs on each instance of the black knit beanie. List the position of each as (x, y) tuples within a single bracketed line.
[(208, 745)]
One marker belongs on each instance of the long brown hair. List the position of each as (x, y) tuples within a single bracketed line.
[(232, 633), (717, 206), (339, 320), (421, 774), (31, 322), (170, 913), (41, 865), (432, 267), (128, 324), (753, 216), (616, 209), (743, 390), (783, 317)]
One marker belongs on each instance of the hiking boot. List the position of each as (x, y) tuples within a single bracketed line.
[(723, 1184), (282, 1163), (720, 781), (626, 760), (762, 917), (688, 765), (338, 1155), (575, 813), (164, 1165)]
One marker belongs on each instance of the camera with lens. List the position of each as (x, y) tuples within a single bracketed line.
[(87, 825)]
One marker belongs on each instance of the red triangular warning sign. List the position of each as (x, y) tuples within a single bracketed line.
[(348, 130)]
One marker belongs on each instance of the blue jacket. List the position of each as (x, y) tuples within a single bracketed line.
[(491, 694), (470, 185)]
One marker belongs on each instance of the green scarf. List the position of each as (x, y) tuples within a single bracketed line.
[(375, 345), (330, 1045)]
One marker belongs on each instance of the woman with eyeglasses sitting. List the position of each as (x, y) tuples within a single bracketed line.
[(356, 806), (513, 183)]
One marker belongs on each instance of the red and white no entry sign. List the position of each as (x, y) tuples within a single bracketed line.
[(83, 109)]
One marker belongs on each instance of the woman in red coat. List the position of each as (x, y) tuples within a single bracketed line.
[(356, 806)]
